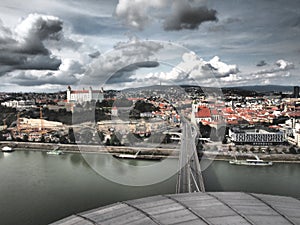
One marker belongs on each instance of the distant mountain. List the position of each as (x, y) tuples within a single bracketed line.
[(246, 89), (266, 88)]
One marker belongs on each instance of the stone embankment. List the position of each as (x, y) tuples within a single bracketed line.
[(33, 146), (147, 151)]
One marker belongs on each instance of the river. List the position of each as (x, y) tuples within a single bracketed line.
[(36, 188)]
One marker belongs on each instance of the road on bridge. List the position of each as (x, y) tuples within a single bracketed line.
[(190, 176)]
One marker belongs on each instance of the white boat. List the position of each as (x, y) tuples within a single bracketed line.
[(55, 151), (251, 162), (127, 156), (7, 149), (137, 156)]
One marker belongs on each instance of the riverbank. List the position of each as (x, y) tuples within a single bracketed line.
[(226, 156), (145, 151), (74, 148)]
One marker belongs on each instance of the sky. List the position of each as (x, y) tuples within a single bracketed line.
[(50, 44)]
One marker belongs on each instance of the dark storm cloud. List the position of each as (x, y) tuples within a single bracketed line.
[(135, 66), (125, 74), (94, 54), (69, 71), (120, 65), (24, 49), (261, 63), (185, 16), (24, 79)]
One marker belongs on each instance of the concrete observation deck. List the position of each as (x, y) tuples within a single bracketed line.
[(195, 208)]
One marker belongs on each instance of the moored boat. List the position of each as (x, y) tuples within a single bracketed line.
[(138, 156), (251, 162), (54, 152), (7, 149)]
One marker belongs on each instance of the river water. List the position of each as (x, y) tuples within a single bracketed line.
[(36, 188), (279, 179)]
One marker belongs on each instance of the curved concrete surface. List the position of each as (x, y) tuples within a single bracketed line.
[(195, 208)]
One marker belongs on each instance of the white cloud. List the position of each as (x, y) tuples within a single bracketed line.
[(222, 68), (284, 65), (121, 62), (231, 78), (134, 13), (193, 67), (279, 67)]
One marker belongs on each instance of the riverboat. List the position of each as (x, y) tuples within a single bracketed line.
[(137, 156), (251, 162), (54, 152), (7, 149)]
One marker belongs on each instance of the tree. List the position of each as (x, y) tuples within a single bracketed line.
[(63, 140), (71, 135), (1, 137), (141, 107), (114, 140), (107, 143), (167, 139), (292, 150), (42, 138), (224, 141), (205, 130), (101, 135)]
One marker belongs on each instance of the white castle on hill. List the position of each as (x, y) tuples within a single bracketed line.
[(84, 95)]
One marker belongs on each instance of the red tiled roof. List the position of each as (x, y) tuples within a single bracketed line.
[(203, 112), (233, 122), (214, 112)]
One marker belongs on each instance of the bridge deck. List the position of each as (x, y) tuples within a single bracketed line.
[(195, 208), (190, 175)]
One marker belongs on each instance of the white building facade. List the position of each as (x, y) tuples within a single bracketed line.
[(84, 95)]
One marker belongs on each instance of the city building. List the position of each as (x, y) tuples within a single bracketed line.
[(256, 137), (19, 104), (84, 95), (39, 124)]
